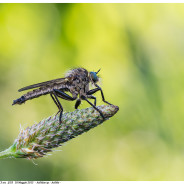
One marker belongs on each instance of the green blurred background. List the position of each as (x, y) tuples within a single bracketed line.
[(139, 48)]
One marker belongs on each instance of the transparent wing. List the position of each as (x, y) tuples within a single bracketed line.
[(46, 83)]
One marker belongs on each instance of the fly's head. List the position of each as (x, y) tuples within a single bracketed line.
[(94, 77)]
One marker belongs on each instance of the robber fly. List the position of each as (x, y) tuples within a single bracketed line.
[(76, 82)]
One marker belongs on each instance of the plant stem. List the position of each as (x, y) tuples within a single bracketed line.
[(7, 153)]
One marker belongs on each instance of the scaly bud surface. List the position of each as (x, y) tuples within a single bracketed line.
[(39, 139)]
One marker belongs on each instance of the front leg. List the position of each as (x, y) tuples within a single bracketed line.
[(90, 92), (78, 102), (84, 98)]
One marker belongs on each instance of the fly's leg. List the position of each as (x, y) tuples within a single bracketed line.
[(84, 98), (53, 98), (90, 92), (57, 102), (92, 97), (65, 96), (78, 102)]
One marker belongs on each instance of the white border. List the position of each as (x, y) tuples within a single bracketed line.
[(96, 182), (91, 1)]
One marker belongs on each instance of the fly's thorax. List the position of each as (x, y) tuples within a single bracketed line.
[(79, 88), (78, 80), (78, 85), (81, 72)]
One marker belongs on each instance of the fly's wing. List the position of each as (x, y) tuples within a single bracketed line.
[(46, 83)]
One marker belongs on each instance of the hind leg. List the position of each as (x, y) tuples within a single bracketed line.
[(57, 102), (61, 94)]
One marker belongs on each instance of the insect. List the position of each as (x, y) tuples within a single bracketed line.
[(76, 82)]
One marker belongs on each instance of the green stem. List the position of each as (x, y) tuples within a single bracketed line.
[(8, 153)]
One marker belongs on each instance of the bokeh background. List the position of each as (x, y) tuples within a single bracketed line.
[(139, 48)]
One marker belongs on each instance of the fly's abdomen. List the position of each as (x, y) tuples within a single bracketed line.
[(32, 94), (19, 100)]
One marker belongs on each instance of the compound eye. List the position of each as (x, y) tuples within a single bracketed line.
[(94, 76)]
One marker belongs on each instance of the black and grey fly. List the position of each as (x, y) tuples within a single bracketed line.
[(76, 82)]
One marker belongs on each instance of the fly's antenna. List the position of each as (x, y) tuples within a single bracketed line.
[(98, 71)]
